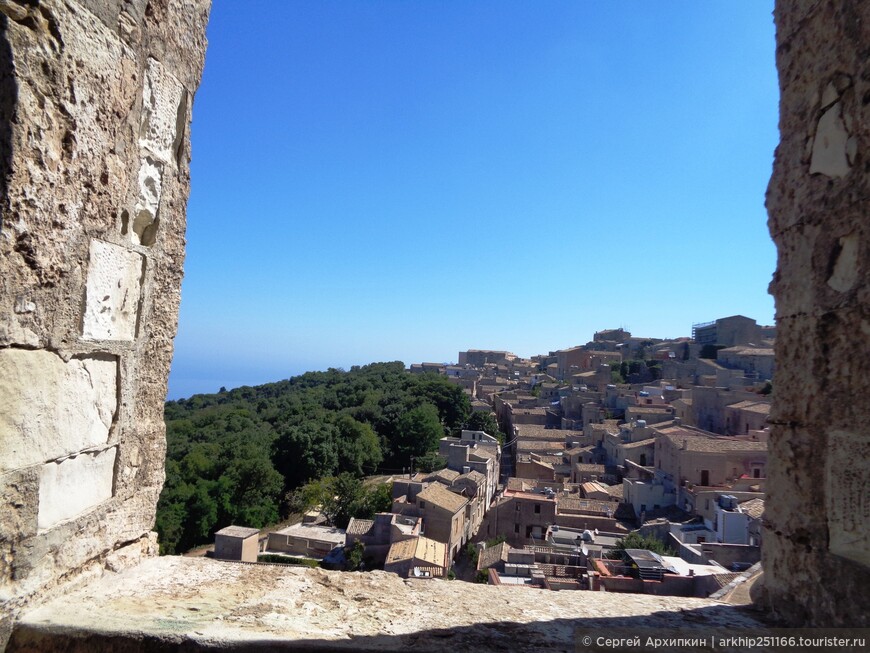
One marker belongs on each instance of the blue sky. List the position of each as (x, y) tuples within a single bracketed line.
[(403, 180)]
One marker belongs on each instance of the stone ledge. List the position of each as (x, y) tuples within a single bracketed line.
[(196, 604)]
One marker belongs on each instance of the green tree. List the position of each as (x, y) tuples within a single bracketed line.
[(305, 452), (359, 451), (417, 432), (449, 399), (354, 556), (338, 497), (431, 461), (637, 541), (372, 500), (252, 489), (623, 369)]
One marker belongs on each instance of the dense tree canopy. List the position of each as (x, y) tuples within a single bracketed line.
[(233, 455)]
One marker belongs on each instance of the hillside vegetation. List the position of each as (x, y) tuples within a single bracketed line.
[(234, 456)]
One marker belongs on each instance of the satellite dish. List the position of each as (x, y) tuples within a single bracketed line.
[(585, 550)]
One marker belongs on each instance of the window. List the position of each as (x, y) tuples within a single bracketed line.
[(518, 506), (422, 505), (756, 473), (517, 529), (537, 508)]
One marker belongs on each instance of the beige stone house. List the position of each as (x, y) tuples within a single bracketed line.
[(443, 514), (686, 455), (237, 543), (310, 540), (420, 557)]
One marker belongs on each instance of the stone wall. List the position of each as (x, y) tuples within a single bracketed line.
[(95, 102), (817, 553)]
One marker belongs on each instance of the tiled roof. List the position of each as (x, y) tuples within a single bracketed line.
[(754, 406), (421, 548), (713, 444), (403, 550), (539, 445), (754, 508), (589, 467), (437, 495), (573, 503), (493, 555), (593, 486), (541, 432), (483, 453), (474, 476), (649, 442), (359, 526), (447, 475), (430, 551), (615, 490)]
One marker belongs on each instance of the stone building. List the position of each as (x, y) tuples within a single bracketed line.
[(237, 543), (727, 331)]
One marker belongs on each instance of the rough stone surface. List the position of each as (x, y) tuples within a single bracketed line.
[(208, 603), (95, 100), (815, 556), (70, 487), (113, 290), (51, 408)]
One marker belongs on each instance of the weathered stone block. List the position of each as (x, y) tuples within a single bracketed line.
[(113, 289), (847, 478), (145, 223), (69, 488), (51, 408), (163, 112)]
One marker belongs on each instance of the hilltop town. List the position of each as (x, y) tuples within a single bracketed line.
[(626, 464)]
